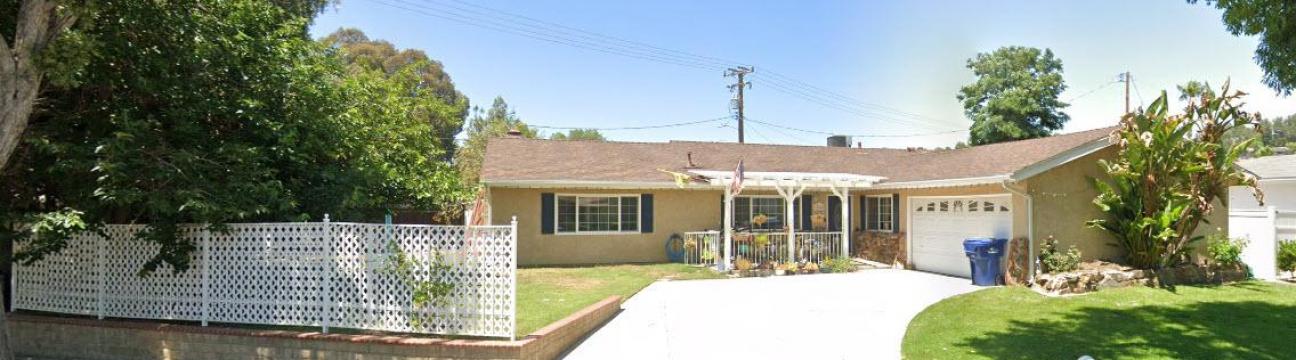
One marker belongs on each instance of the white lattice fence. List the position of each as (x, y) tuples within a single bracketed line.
[(304, 274)]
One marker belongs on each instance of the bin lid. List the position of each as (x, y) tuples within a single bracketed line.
[(974, 243)]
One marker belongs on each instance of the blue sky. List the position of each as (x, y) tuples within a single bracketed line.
[(866, 67)]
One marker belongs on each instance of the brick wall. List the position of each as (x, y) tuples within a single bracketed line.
[(45, 337)]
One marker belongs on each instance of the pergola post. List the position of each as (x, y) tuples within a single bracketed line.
[(844, 194), (728, 230), (790, 194)]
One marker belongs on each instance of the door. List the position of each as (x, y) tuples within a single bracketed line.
[(938, 226)]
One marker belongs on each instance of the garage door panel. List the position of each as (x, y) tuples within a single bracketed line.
[(938, 227)]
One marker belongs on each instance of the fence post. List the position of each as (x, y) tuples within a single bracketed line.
[(513, 247), (99, 274), (206, 274), (329, 270)]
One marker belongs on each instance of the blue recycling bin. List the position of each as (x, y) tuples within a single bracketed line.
[(984, 256)]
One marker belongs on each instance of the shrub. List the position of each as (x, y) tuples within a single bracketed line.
[(839, 265), (1054, 260), (1224, 251), (1287, 255), (1168, 174)]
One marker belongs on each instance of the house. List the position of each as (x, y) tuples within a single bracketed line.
[(1276, 177), (584, 202), (1266, 225)]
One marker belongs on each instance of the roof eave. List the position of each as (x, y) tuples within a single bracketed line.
[(1060, 159)]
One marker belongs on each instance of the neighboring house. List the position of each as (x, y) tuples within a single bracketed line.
[(1264, 226), (1277, 179), (583, 202)]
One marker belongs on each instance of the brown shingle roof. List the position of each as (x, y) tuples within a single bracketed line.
[(515, 159)]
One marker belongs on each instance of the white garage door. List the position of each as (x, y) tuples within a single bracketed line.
[(939, 225)]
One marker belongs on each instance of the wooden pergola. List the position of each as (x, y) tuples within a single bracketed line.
[(789, 185)]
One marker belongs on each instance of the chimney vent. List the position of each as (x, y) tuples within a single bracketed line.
[(515, 133), (839, 141)]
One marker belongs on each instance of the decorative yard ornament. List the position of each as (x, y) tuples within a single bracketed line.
[(736, 186), (681, 179)]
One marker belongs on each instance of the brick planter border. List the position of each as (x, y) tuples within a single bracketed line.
[(82, 338)]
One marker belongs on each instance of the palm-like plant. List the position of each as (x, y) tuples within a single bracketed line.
[(1170, 172)]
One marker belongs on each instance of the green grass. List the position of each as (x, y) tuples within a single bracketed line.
[(546, 295), (1248, 320)]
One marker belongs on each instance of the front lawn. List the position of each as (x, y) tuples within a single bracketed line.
[(545, 295), (1248, 320)]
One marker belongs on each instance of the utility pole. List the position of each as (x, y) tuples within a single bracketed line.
[(1126, 78), (738, 101)]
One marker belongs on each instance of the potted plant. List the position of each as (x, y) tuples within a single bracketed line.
[(810, 268)]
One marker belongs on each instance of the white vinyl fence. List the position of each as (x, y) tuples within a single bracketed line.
[(1263, 229), (327, 274)]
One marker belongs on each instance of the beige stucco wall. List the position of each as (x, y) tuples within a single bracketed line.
[(674, 211), (1064, 202)]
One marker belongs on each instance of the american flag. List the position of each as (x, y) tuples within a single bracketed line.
[(736, 185)]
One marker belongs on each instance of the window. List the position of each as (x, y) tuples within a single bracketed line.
[(747, 208), (879, 213), (585, 213)]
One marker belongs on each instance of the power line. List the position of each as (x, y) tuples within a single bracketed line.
[(1139, 94), (1090, 92), (819, 132), (644, 127), (570, 36)]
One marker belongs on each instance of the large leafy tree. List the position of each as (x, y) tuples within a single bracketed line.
[(1271, 21), (213, 112), (578, 134), (441, 105), (1271, 133), (1015, 95), (1169, 173), (484, 125)]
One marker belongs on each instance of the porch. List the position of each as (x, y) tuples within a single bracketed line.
[(763, 249), (768, 229)]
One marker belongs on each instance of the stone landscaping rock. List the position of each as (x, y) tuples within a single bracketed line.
[(1099, 275)]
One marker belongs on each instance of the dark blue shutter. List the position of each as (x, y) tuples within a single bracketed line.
[(834, 213), (806, 211), (863, 212), (547, 213), (646, 213), (895, 213)]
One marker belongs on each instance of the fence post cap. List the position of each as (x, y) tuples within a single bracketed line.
[(326, 217)]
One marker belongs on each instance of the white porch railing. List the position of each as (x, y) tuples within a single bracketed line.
[(704, 247)]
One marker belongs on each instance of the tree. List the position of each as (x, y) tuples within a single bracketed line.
[(578, 134), (35, 27), (1194, 89), (1169, 172), (1015, 95), (494, 122), (1271, 133), (1271, 21), (445, 108), (235, 115)]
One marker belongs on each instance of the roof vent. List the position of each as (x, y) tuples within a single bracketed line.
[(839, 141), (515, 133)]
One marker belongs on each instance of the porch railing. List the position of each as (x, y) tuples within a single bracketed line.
[(704, 247)]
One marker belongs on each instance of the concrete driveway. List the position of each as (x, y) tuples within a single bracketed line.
[(861, 315)]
